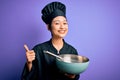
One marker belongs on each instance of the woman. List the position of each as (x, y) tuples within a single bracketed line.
[(41, 66)]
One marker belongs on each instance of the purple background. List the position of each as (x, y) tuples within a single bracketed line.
[(94, 30)]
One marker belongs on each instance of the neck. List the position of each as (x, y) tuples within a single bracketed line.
[(57, 43)]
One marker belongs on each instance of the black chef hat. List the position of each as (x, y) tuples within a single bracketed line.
[(53, 10)]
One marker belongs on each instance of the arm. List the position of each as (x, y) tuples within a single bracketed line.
[(30, 56), (30, 68)]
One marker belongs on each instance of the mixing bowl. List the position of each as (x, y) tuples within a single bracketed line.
[(72, 64)]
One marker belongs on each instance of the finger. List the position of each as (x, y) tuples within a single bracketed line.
[(30, 54), (30, 58), (26, 47)]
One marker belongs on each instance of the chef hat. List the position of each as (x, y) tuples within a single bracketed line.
[(53, 10)]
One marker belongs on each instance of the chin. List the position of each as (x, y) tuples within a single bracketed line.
[(62, 36)]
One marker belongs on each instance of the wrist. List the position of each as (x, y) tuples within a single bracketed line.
[(72, 76), (29, 65)]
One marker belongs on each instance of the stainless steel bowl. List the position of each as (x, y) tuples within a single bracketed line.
[(72, 64)]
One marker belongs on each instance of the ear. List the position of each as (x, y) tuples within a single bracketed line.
[(48, 27)]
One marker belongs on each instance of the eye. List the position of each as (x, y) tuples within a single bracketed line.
[(57, 23), (65, 23)]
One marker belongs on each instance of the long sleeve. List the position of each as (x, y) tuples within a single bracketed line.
[(36, 71), (29, 75)]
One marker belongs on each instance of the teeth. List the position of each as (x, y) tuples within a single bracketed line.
[(62, 31)]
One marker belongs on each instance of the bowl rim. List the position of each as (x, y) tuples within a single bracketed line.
[(86, 59)]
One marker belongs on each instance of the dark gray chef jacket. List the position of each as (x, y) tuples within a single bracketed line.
[(44, 67)]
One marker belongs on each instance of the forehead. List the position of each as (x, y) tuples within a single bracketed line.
[(59, 18)]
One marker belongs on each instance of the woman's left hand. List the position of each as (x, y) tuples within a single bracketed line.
[(70, 75)]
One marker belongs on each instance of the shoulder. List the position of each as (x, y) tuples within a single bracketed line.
[(71, 48), (69, 45), (41, 45)]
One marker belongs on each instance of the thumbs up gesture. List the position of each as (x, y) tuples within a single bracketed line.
[(30, 54)]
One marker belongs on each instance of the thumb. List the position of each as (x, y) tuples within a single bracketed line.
[(26, 47)]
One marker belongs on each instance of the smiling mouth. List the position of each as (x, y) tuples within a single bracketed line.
[(62, 31)]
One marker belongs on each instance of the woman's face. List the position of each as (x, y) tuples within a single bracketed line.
[(59, 27)]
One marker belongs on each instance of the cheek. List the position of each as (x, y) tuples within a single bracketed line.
[(67, 28), (53, 31), (55, 28)]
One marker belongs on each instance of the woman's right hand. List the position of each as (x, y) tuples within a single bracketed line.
[(30, 56)]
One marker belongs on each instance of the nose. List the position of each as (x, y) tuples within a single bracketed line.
[(61, 25)]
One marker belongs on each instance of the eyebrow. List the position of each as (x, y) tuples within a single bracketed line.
[(59, 20)]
